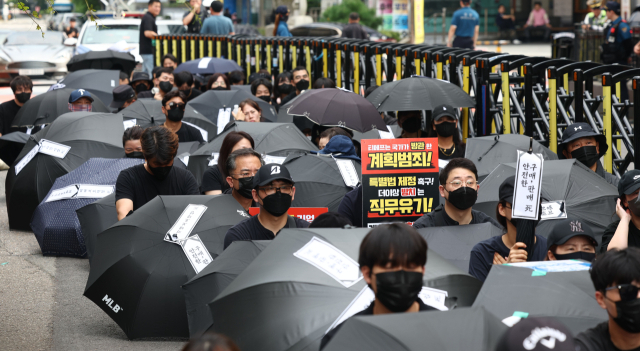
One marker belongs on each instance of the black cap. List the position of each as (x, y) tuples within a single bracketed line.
[(442, 111), (506, 189), (270, 172), (566, 228), (121, 94), (629, 182), (138, 76), (612, 6), (537, 334), (581, 130)]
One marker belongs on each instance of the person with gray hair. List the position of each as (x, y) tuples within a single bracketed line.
[(241, 166)]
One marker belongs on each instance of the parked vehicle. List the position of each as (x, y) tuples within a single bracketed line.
[(322, 29)]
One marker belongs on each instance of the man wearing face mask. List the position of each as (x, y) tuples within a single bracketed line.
[(445, 127), (459, 188), (140, 184), (123, 96), (624, 232), (141, 83), (184, 81), (22, 87), (300, 82), (616, 278), (273, 190), (165, 82), (80, 101), (173, 106), (411, 124), (242, 166), (571, 239), (392, 260), (579, 141)]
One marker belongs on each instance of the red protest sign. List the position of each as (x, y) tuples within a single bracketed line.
[(306, 213)]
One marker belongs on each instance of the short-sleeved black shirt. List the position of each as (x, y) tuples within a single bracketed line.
[(252, 229), (71, 32), (455, 151), (633, 238), (213, 179), (194, 93), (196, 24), (8, 111), (148, 23), (188, 133), (597, 338), (140, 186)]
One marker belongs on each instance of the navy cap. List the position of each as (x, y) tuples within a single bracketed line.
[(537, 334), (270, 172), (282, 9), (121, 94), (629, 182), (581, 130), (612, 6), (138, 76), (80, 93), (566, 228), (442, 111), (505, 191)]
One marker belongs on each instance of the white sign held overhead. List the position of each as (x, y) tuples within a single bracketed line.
[(434, 298), (553, 210), (129, 123), (54, 149), (185, 160), (386, 135), (224, 116), (196, 252), (90, 191), (528, 184), (205, 134), (204, 62), (330, 260), (214, 159), (28, 157), (63, 193), (348, 171), (182, 228), (273, 159)]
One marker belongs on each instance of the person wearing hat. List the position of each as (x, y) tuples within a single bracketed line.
[(273, 189), (80, 100), (444, 125), (582, 143), (465, 25), (571, 239), (624, 232), (537, 334), (173, 105), (504, 248), (123, 96), (280, 27), (618, 44), (596, 18), (217, 23), (141, 82)]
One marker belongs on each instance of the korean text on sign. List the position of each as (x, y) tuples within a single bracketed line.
[(528, 183)]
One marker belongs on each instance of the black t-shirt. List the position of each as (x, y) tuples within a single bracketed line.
[(252, 229), (148, 23), (597, 339), (439, 218), (455, 152), (145, 94), (633, 238), (188, 133), (354, 31), (351, 206), (195, 25), (288, 98), (212, 179), (194, 93), (140, 186), (69, 32), (8, 111)]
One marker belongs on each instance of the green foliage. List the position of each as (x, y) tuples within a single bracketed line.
[(313, 4), (82, 6), (391, 34), (340, 13)]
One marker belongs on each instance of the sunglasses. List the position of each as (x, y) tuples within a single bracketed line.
[(628, 292), (174, 105)]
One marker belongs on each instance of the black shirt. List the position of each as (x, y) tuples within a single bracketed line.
[(140, 186), (354, 31), (194, 93), (146, 94), (196, 24), (8, 111), (288, 98), (213, 179), (148, 23), (188, 133), (252, 229), (439, 218), (69, 32), (633, 237), (351, 206), (454, 152), (597, 339)]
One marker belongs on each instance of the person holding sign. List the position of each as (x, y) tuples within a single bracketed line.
[(392, 260), (571, 239), (504, 248), (214, 178), (624, 232), (242, 166), (579, 141), (173, 105), (273, 189), (444, 125), (459, 187)]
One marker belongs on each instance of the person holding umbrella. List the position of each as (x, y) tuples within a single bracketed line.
[(140, 184), (262, 89), (242, 166), (123, 96), (273, 189), (624, 232), (218, 81), (142, 84), (80, 100), (300, 82), (444, 126), (184, 81), (165, 82), (280, 28), (616, 278), (250, 112), (571, 239), (21, 86), (283, 87), (131, 142), (173, 105), (581, 142), (214, 178)]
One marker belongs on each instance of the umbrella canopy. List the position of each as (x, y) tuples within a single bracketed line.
[(490, 151), (276, 139), (99, 82), (418, 93), (211, 101), (108, 59), (56, 224), (10, 146), (587, 196), (95, 218), (142, 274), (318, 180), (207, 284), (568, 296), (374, 134), (441, 274), (301, 122), (460, 329), (88, 134), (208, 65), (45, 108), (338, 108)]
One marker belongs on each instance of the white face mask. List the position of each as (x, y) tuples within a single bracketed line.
[(308, 137)]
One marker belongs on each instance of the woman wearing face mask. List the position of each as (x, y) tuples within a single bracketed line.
[(214, 178), (571, 239), (251, 111), (283, 87), (218, 81), (131, 142), (280, 28), (624, 232), (411, 124), (262, 89), (444, 125)]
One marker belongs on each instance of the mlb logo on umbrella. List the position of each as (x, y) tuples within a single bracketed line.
[(407, 192)]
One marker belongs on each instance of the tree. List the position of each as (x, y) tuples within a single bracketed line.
[(340, 13)]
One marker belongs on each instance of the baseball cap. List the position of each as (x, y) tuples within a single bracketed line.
[(537, 334), (121, 94), (80, 93), (629, 182), (442, 111), (612, 6), (282, 9), (138, 76), (506, 189), (581, 130), (594, 3), (566, 228), (270, 172)]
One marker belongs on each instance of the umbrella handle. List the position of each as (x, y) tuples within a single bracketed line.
[(530, 145)]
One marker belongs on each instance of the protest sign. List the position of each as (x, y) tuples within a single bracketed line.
[(528, 184), (306, 213)]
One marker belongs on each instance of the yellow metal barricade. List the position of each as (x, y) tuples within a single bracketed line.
[(506, 103)]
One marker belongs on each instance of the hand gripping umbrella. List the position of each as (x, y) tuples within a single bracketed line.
[(338, 108), (587, 196), (95, 218), (86, 134), (205, 286), (108, 59), (212, 101), (418, 93), (461, 329), (10, 146), (208, 65), (55, 223), (275, 139), (136, 276), (99, 82)]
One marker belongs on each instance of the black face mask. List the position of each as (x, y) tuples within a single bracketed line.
[(398, 290), (219, 88), (634, 206), (23, 97), (628, 315), (463, 197), (580, 255), (587, 155), (160, 173), (302, 85), (165, 86), (277, 204), (246, 185), (135, 154), (265, 98), (141, 87), (446, 129), (120, 108), (285, 88), (285, 18), (412, 124), (175, 115), (186, 92)]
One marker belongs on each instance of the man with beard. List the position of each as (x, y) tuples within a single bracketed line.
[(242, 166), (173, 106)]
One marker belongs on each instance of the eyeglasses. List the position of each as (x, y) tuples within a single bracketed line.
[(456, 184), (246, 174), (218, 84), (270, 190), (627, 292), (174, 105)]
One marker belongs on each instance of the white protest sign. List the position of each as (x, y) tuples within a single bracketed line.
[(182, 228), (91, 191), (273, 159), (554, 266), (330, 260), (54, 149), (29, 130), (553, 210), (28, 157), (205, 134), (443, 163), (196, 252), (214, 159), (386, 135), (204, 62), (185, 160), (434, 298), (63, 193), (528, 184), (224, 116), (129, 123), (348, 171)]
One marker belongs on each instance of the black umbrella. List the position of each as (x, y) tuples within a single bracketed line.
[(441, 274), (10, 146), (207, 284), (108, 59), (276, 139), (587, 196), (185, 149), (136, 276), (56, 224), (418, 93), (568, 296), (87, 134), (45, 108), (302, 122), (338, 108), (99, 82), (211, 101), (461, 329), (95, 218), (208, 65), (375, 134)]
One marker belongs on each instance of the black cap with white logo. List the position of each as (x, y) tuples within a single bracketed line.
[(567, 228), (629, 182), (537, 334), (443, 111), (270, 172)]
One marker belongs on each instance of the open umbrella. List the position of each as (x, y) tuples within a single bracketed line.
[(99, 82), (540, 291), (207, 284), (108, 59), (418, 93), (587, 196), (95, 218), (461, 329), (375, 134), (276, 139), (338, 108), (211, 101), (136, 276), (55, 223), (10, 146), (301, 122), (87, 134), (208, 65)]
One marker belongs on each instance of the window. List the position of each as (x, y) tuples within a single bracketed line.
[(111, 34)]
